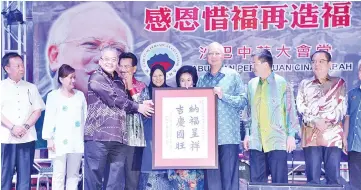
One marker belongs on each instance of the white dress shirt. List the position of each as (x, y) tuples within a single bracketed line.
[(18, 101), (64, 122)]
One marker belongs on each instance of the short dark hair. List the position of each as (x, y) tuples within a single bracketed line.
[(327, 54), (264, 55), (187, 69), (6, 59), (129, 55), (64, 71)]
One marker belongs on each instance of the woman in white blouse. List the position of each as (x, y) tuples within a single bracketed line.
[(63, 128)]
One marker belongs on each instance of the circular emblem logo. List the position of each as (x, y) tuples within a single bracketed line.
[(161, 53)]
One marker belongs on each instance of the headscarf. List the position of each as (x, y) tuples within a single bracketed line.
[(151, 84), (187, 69)]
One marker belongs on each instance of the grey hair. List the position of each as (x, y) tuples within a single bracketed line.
[(216, 46), (110, 48)]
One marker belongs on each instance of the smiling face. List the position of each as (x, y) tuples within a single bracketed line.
[(108, 61), (215, 55), (68, 82), (158, 78), (186, 80), (126, 67), (87, 32), (320, 65)]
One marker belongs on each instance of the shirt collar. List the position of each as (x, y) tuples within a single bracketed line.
[(134, 81), (315, 80), (13, 82), (109, 75), (220, 72), (270, 79)]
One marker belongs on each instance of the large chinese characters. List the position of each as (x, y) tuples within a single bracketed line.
[(185, 128), (249, 17)]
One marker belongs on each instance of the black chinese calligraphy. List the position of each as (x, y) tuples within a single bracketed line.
[(180, 109), (194, 120), (180, 145), (181, 121), (193, 108), (180, 134), (195, 146), (194, 133)]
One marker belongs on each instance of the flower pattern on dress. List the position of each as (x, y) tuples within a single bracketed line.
[(187, 179)]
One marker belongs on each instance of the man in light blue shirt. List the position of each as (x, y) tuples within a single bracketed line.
[(352, 134), (229, 88)]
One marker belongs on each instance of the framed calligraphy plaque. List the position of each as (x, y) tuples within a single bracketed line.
[(185, 129)]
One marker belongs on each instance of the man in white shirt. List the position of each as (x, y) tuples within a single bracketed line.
[(21, 106)]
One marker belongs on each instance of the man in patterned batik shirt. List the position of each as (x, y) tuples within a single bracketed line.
[(322, 102), (229, 88), (105, 131), (136, 141), (270, 132)]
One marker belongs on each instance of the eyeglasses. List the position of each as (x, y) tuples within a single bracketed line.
[(107, 59), (94, 45), (322, 61), (214, 54)]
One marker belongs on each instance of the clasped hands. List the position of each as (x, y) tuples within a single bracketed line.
[(18, 131)]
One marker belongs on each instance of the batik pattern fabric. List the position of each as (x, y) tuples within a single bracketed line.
[(154, 181), (229, 107), (186, 179), (134, 121), (272, 113), (328, 101), (108, 104)]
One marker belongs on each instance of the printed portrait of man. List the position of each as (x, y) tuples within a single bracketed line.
[(75, 38)]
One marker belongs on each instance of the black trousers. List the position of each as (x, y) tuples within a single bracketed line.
[(226, 177), (19, 157), (331, 157), (274, 162), (97, 155), (132, 168), (354, 165)]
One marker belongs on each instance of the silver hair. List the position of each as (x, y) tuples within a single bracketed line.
[(110, 48), (216, 46)]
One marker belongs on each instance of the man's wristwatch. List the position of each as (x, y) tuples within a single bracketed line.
[(27, 127)]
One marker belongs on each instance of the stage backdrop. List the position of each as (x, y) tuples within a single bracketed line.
[(177, 33)]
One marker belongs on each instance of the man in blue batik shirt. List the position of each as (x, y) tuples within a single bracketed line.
[(229, 88), (352, 135)]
